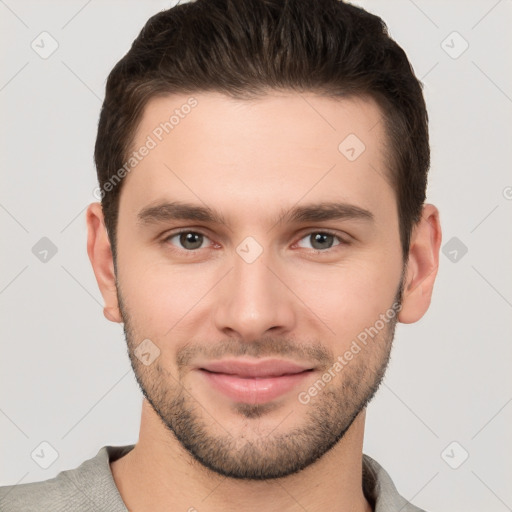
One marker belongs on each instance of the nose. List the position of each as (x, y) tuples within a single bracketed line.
[(255, 299)]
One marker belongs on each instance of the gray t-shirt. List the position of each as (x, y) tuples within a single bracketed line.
[(91, 488)]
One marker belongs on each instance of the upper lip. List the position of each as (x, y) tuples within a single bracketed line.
[(265, 368)]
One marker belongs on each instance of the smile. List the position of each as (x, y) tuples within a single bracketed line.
[(254, 383)]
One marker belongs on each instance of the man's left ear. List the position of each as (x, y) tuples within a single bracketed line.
[(422, 266)]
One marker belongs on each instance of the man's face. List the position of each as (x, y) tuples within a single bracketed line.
[(248, 313)]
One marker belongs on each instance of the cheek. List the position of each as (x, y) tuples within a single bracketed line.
[(341, 299), (158, 301), (165, 300), (349, 298)]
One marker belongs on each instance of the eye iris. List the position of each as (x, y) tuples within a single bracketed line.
[(195, 239), (321, 238)]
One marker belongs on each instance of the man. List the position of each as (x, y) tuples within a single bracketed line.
[(262, 170)]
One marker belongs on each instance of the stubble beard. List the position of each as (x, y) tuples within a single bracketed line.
[(276, 454)]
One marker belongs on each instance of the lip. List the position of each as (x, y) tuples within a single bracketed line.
[(254, 382), (255, 368)]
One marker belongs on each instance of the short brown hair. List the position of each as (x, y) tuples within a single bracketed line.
[(246, 48)]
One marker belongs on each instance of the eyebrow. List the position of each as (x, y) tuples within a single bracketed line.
[(315, 212), (178, 210), (319, 212)]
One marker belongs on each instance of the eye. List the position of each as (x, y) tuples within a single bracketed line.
[(321, 240), (189, 240)]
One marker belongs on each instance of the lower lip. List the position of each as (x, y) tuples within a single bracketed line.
[(252, 390)]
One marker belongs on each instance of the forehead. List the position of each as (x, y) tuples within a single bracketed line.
[(266, 153)]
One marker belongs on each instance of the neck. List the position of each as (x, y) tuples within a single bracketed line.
[(159, 474)]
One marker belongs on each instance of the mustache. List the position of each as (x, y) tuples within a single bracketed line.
[(264, 347)]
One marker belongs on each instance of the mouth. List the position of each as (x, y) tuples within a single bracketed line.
[(254, 382)]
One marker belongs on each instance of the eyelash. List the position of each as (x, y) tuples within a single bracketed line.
[(193, 252)]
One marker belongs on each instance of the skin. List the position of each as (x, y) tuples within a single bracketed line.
[(250, 161)]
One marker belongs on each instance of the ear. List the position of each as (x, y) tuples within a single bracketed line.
[(422, 266), (100, 255)]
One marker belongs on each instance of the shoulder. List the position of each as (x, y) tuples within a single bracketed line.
[(51, 494), (89, 487), (381, 491)]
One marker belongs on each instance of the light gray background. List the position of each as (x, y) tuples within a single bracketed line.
[(65, 375)]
